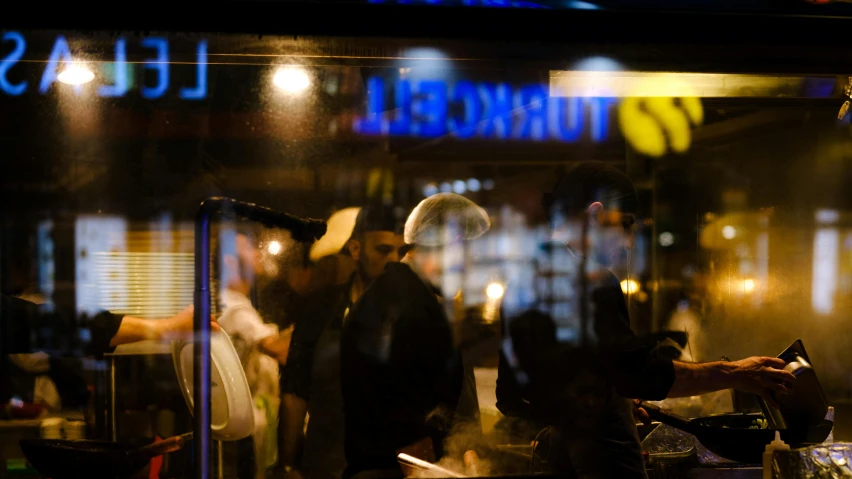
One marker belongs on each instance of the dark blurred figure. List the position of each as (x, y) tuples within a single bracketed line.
[(311, 379), (405, 385), (584, 387)]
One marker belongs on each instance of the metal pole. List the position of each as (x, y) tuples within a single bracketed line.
[(655, 269), (302, 230), (113, 428), (201, 354), (584, 283)]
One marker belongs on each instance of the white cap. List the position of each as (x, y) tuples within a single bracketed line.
[(443, 218), (339, 230)]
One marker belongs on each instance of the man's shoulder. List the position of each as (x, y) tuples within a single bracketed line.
[(392, 294), (397, 275)]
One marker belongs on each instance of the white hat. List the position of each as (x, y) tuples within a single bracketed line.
[(339, 230), (443, 218)]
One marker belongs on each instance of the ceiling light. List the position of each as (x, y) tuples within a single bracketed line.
[(629, 286), (75, 74), (274, 247), (291, 79), (495, 291)]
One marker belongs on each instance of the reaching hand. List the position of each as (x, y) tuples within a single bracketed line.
[(639, 414), (762, 376), (179, 326)]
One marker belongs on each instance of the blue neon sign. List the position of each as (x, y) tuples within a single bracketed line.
[(61, 54), (467, 3), (433, 108)]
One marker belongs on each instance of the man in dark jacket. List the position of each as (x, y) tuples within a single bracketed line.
[(311, 382), (405, 385)]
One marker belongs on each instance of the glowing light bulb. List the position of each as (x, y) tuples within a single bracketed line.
[(274, 247), (729, 232), (495, 291), (748, 285), (75, 74), (291, 79), (629, 286)]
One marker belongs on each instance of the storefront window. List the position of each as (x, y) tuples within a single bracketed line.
[(712, 203)]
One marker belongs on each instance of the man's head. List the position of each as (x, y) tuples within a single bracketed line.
[(376, 241), (600, 195)]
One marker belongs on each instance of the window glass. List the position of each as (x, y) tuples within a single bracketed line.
[(472, 248)]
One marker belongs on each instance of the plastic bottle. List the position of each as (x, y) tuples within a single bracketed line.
[(776, 445)]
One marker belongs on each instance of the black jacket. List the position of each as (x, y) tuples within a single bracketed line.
[(401, 373)]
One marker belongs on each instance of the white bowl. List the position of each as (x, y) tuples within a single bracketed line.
[(232, 414)]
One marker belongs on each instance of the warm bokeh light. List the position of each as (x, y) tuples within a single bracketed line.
[(495, 291), (729, 232), (629, 286), (75, 74), (292, 79), (274, 247), (748, 285)]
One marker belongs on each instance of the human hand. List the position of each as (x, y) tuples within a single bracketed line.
[(471, 463), (640, 414), (763, 376), (180, 326)]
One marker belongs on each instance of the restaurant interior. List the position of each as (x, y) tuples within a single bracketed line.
[(743, 237)]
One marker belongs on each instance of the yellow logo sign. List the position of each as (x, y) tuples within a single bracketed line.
[(654, 126)]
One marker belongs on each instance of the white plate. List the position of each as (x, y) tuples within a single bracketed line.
[(232, 416)]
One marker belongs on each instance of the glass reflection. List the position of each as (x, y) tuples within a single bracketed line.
[(724, 234)]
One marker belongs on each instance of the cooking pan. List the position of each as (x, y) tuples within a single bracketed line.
[(60, 458), (729, 436)]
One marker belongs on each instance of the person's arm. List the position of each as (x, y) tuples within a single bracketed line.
[(132, 329), (295, 388), (758, 375), (510, 399), (295, 410), (638, 371), (277, 346)]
